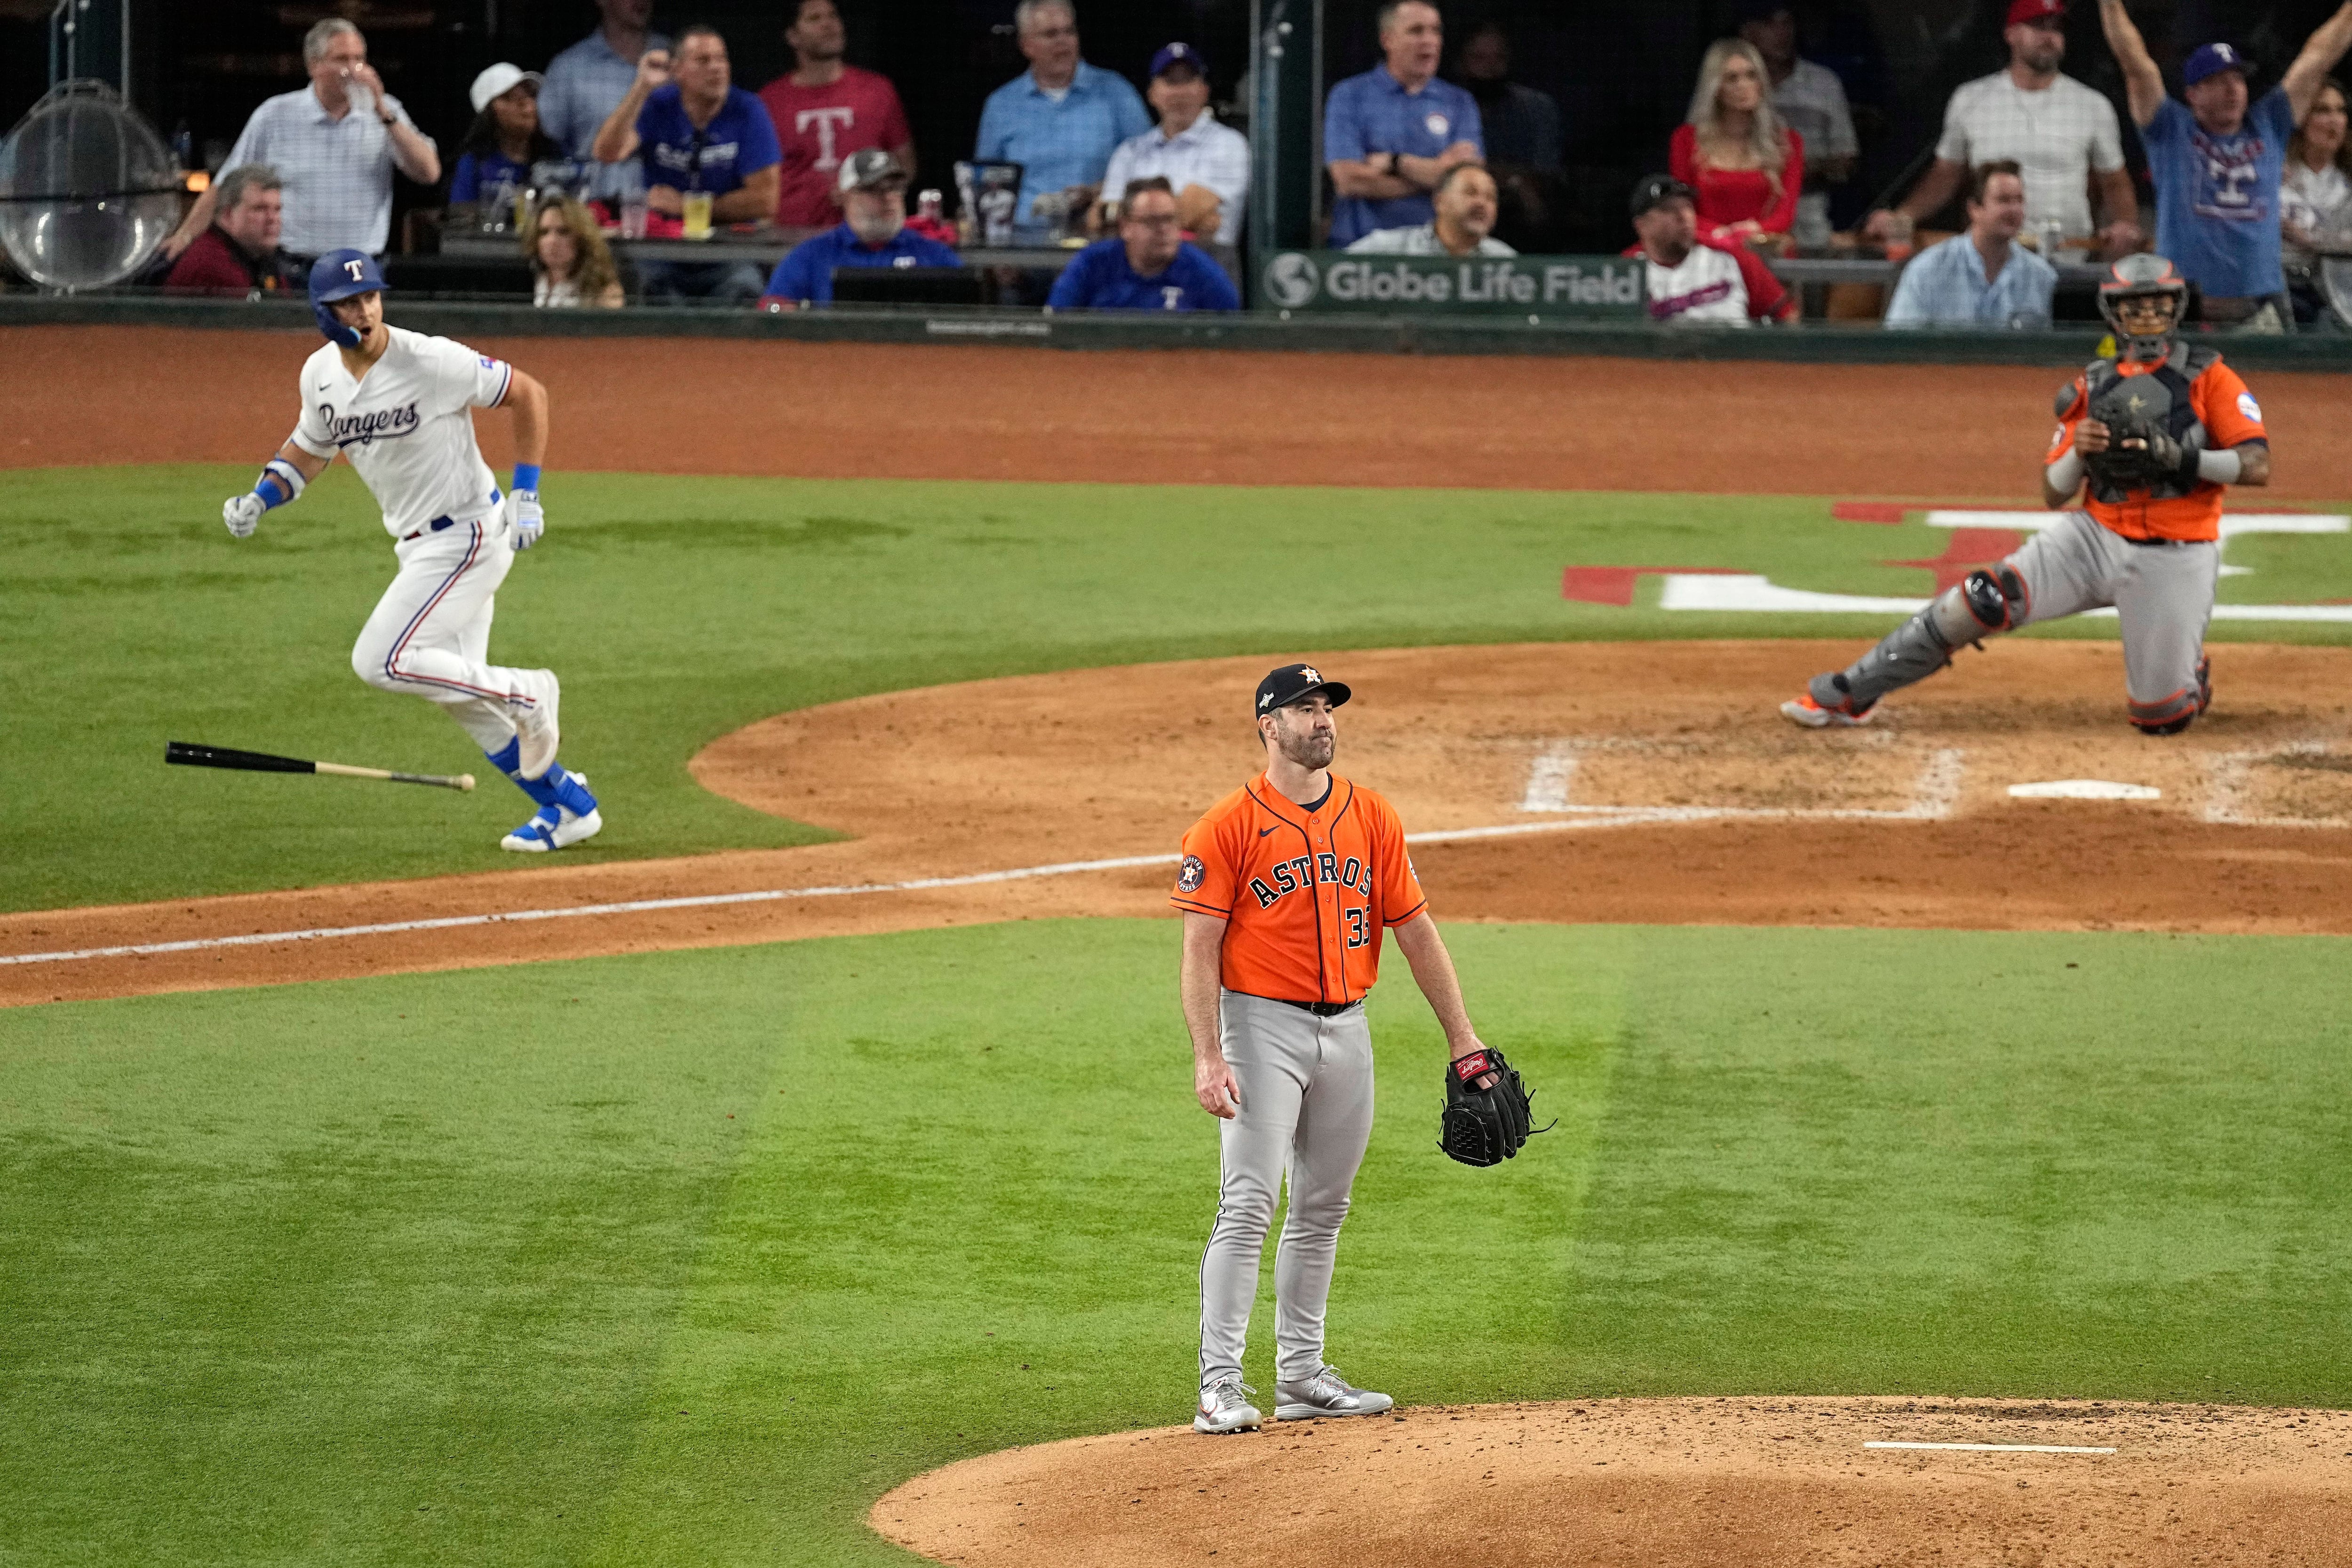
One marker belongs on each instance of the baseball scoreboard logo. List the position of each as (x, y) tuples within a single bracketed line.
[(1570, 286)]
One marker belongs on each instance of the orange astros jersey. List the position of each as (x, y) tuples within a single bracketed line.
[(2219, 402), (1306, 894)]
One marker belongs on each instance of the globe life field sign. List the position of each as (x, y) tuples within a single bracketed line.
[(1562, 285)]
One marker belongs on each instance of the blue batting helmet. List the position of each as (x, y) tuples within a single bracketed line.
[(340, 275)]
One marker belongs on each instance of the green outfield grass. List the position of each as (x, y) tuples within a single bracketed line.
[(678, 610), (685, 1258)]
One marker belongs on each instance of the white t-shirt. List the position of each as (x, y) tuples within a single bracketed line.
[(2058, 137), (406, 425), (2312, 200), (1710, 287)]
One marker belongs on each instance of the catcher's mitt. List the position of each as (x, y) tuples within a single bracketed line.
[(2141, 450), (1485, 1126)]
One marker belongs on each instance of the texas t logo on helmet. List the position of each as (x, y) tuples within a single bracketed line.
[(342, 274)]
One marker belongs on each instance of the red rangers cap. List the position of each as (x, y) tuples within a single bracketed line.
[(2036, 11)]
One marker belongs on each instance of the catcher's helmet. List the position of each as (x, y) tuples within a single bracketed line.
[(2144, 276), (340, 275)]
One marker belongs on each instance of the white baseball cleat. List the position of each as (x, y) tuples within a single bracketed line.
[(1223, 1408), (1325, 1393), (556, 826), (535, 730)]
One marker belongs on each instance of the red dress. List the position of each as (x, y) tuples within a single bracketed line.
[(1726, 196)]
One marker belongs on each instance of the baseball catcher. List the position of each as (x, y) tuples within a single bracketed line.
[(2156, 435)]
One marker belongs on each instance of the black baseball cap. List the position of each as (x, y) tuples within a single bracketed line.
[(1287, 684), (1657, 190)]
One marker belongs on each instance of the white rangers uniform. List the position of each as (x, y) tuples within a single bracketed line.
[(407, 427)]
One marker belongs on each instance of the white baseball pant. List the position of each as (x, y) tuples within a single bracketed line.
[(430, 633)]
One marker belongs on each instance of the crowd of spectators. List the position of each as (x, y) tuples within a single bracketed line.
[(2251, 193)]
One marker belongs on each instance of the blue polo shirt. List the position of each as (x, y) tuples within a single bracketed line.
[(1059, 144), (1373, 113), (740, 139), (1099, 278), (2216, 197), (478, 172), (806, 275)]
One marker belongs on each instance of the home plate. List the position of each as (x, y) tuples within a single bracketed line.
[(2084, 790)]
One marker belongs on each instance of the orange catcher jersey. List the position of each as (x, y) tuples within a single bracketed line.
[(1305, 894), (2231, 417)]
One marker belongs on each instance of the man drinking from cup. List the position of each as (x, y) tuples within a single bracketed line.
[(710, 157)]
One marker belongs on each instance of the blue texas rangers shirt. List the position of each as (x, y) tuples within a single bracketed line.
[(2216, 197), (1374, 113), (806, 275), (1099, 278), (740, 139)]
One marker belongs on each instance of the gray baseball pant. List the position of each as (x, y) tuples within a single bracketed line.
[(1306, 1112), (2163, 592)]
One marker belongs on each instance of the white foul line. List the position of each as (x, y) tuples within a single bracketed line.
[(1995, 1448)]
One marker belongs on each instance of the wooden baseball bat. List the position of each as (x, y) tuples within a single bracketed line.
[(187, 754)]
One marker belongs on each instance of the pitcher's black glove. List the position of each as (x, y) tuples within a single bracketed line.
[(1483, 1126)]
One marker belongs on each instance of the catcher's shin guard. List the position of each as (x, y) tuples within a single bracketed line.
[(1991, 600)]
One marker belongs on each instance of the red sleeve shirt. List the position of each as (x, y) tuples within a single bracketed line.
[(213, 265), (817, 127), (1304, 894)]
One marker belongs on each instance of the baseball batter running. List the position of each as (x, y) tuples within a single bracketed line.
[(399, 405), (2157, 433), (1286, 884)]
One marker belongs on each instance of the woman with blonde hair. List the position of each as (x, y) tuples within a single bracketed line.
[(569, 262), (1745, 165)]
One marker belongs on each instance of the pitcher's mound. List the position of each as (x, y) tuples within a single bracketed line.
[(1662, 1483)]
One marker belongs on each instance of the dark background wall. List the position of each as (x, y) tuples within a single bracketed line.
[(1622, 73)]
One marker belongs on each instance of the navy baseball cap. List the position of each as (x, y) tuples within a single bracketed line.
[(1657, 190), (1292, 681), (1178, 55), (2212, 62)]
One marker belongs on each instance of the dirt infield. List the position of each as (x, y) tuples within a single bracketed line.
[(1551, 782), (91, 394), (1661, 1484)]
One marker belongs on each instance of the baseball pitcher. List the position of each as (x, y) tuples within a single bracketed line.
[(399, 405), (2157, 433), (1286, 885)]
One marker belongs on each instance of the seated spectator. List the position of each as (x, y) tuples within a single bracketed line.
[(872, 191), (1982, 277), (1811, 101), (571, 264), (1208, 163), (2316, 199), (505, 139), (1689, 280), (1391, 133), (1149, 267), (238, 254), (2217, 165), (701, 133), (588, 80), (1523, 136), (335, 145), (1060, 120), (1465, 201), (1744, 167), (824, 111), (2061, 132)]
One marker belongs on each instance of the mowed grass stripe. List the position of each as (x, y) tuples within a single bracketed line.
[(689, 1256), (680, 608)]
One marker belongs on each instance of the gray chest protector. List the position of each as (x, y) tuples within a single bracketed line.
[(2135, 406)]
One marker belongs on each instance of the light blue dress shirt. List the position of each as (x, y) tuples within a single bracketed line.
[(584, 85), (1059, 144), (1945, 285)]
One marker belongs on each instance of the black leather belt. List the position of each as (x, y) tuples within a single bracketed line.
[(435, 526), (2168, 544), (1320, 1009)]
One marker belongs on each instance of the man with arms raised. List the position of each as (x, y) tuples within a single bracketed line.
[(2216, 165), (826, 111), (1286, 887), (1688, 281), (1392, 133)]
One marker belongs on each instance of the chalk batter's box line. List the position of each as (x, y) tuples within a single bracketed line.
[(1994, 1447)]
